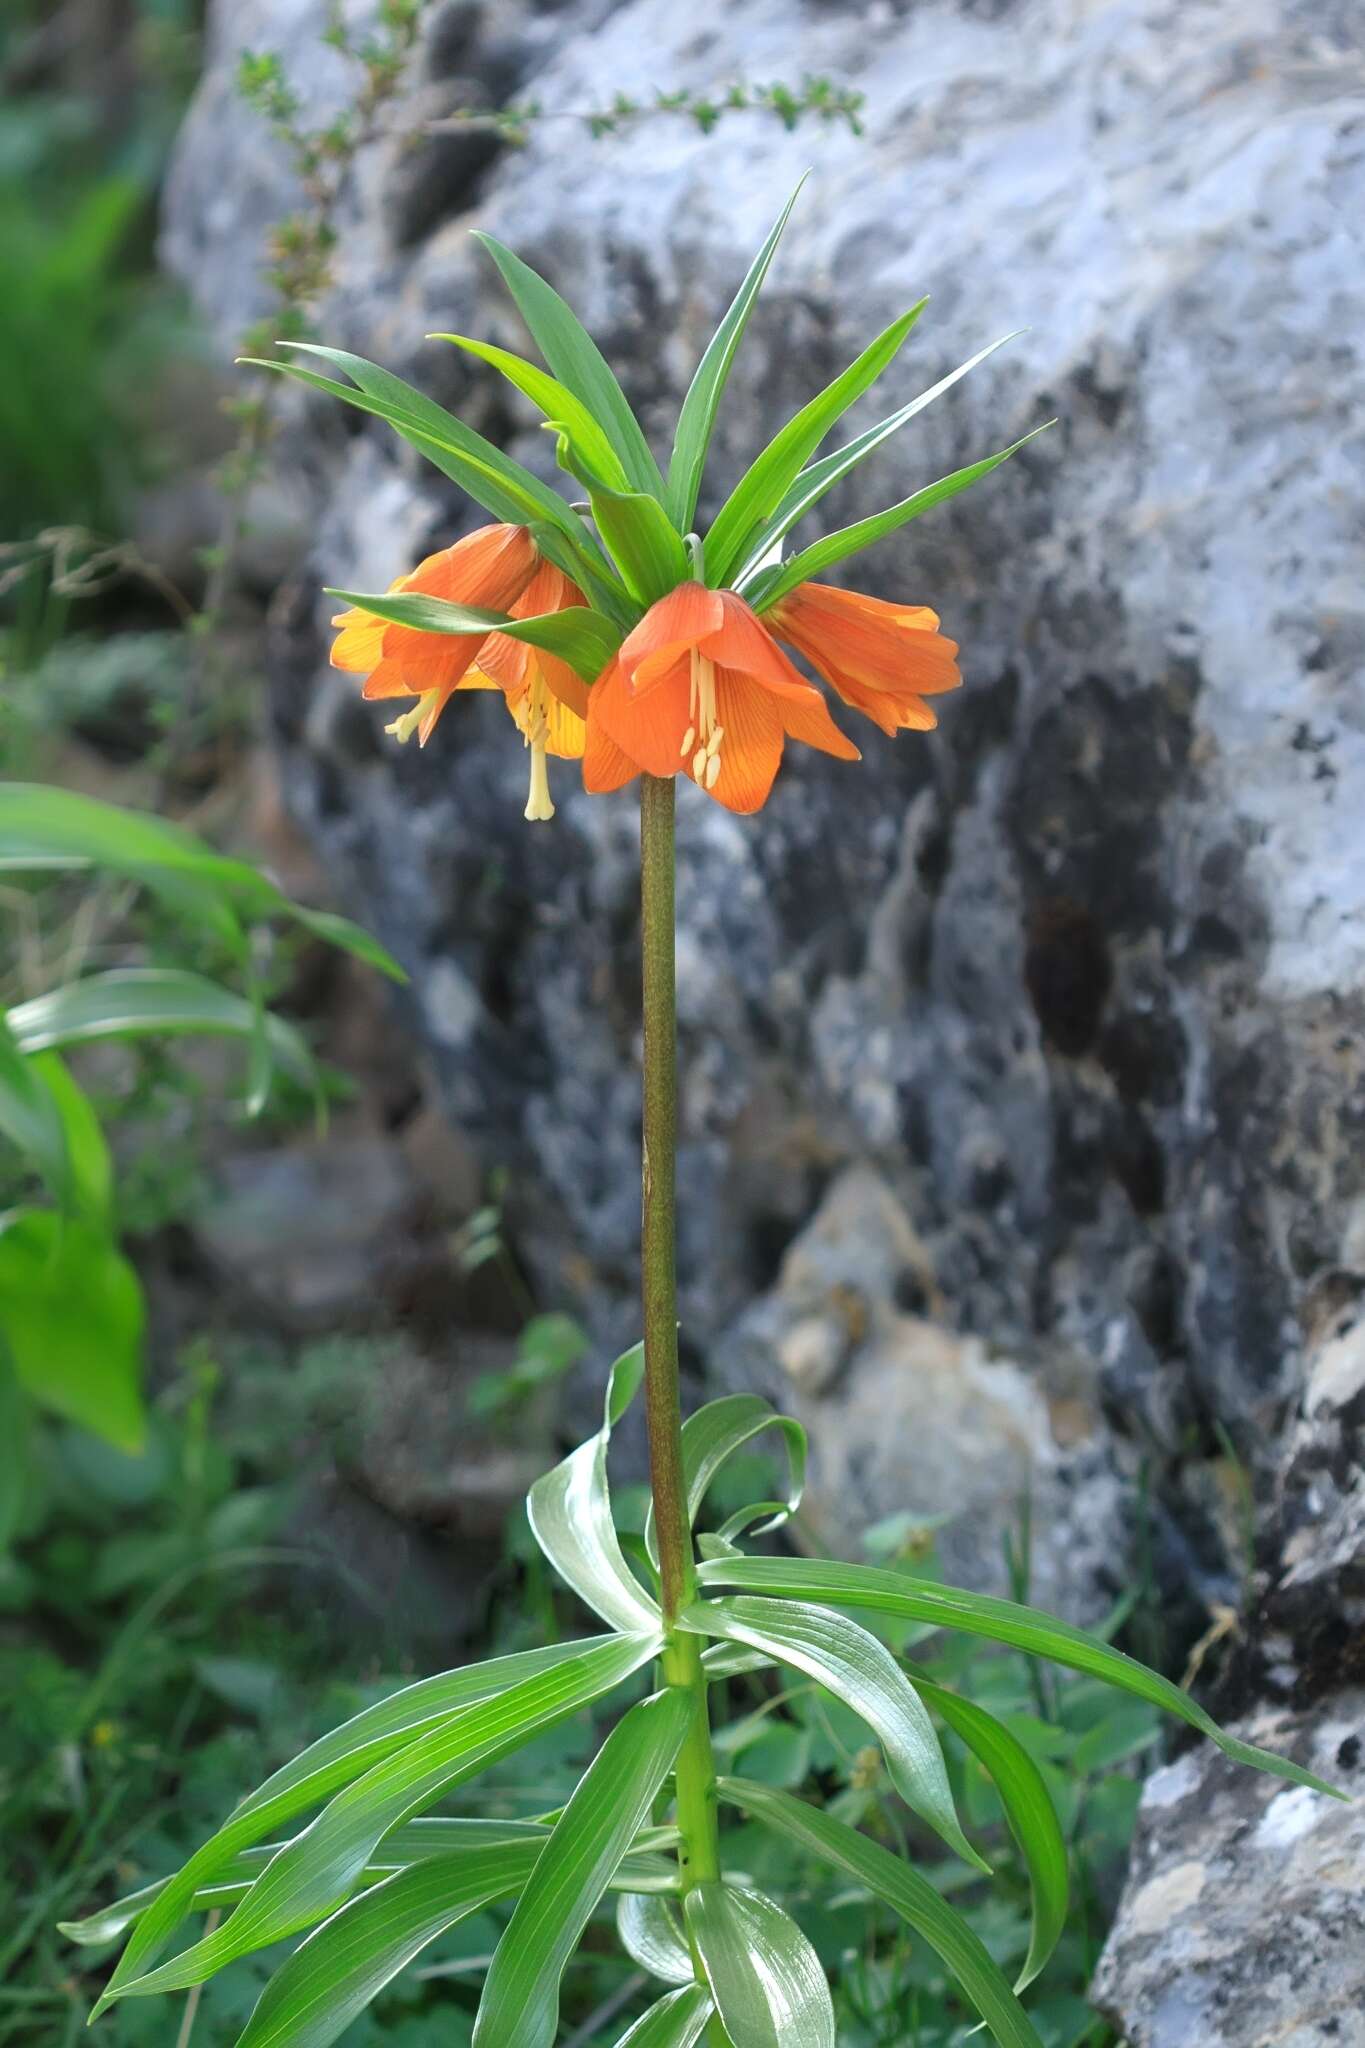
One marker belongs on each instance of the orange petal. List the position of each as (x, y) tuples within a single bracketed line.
[(669, 628), (752, 747), (490, 567), (388, 680), (807, 718), (744, 643), (648, 728), (881, 646), (605, 765)]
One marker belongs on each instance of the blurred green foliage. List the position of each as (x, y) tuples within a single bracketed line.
[(89, 100)]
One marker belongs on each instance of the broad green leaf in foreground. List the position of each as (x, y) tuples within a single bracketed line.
[(697, 418), (319, 1868), (569, 1510), (762, 1972), (675, 2022), (520, 2003), (151, 1002), (72, 1313), (1000, 1621), (900, 1887), (1028, 1809), (87, 1149), (333, 1975), (861, 1672)]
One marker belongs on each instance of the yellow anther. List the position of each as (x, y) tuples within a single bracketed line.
[(689, 741), (713, 771), (713, 744), (699, 764)]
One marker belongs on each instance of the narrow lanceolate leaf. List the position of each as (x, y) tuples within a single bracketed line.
[(1028, 1809), (333, 1975), (1000, 1621), (642, 1870), (652, 1936), (698, 415), (520, 2003), (577, 361), (150, 1002), (675, 2022), (569, 1510), (824, 474), (317, 1870), (900, 1887), (555, 401), (714, 1433), (763, 1974), (578, 635), (851, 540), (761, 490), (859, 1670)]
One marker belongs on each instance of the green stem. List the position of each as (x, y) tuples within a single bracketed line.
[(695, 1775)]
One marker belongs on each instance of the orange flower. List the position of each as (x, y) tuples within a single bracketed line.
[(547, 698), (883, 659), (701, 686), (490, 568)]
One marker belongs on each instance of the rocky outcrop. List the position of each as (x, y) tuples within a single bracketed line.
[(1079, 978)]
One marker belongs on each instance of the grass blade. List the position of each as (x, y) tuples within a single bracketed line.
[(157, 1002)]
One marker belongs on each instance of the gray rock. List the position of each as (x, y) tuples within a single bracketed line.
[(1243, 1924), (1081, 975)]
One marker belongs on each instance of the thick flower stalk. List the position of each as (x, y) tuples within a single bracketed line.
[(618, 632)]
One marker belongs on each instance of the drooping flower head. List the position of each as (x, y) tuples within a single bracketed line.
[(614, 630)]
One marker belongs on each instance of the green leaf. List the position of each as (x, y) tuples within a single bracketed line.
[(520, 2003), (1000, 1621), (677, 2021), (569, 1510), (583, 638), (555, 401), (333, 1975), (14, 1430), (1028, 1809), (831, 469), (92, 1169), (638, 536), (150, 1002), (46, 828), (851, 540), (414, 1842), (652, 1936), (31, 1118), (713, 1434), (71, 1311), (762, 1972), (577, 361), (861, 1671), (316, 1871), (698, 415), (901, 1888), (761, 490)]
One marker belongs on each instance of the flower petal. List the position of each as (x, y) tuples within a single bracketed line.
[(605, 765), (752, 748), (807, 719), (669, 628), (649, 727), (744, 643)]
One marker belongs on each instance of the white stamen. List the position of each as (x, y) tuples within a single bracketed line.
[(699, 764), (703, 729), (403, 728), (538, 804), (713, 744), (713, 771), (689, 741)]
